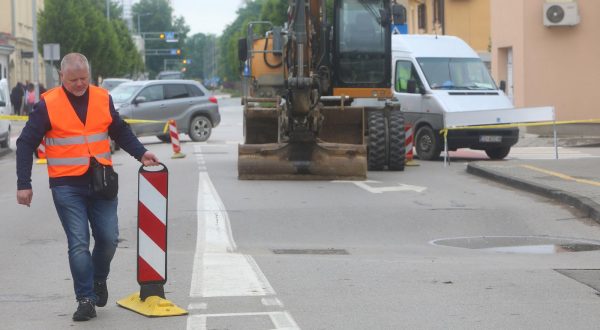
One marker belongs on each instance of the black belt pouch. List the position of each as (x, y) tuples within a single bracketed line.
[(105, 180)]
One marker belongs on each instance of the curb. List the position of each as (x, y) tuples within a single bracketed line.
[(588, 207)]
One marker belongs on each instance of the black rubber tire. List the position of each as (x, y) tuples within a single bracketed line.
[(200, 129), (376, 148), (396, 147), (497, 153), (428, 143), (164, 138)]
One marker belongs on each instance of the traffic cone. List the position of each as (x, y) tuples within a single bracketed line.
[(41, 151), (175, 140), (408, 141)]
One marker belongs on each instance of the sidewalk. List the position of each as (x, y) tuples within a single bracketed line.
[(574, 182)]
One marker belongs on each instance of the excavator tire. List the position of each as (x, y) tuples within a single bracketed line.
[(376, 148), (397, 147)]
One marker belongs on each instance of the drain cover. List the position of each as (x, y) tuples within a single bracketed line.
[(310, 251), (521, 244)]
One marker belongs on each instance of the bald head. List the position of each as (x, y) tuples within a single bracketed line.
[(75, 73)]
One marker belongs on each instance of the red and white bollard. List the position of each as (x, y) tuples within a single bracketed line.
[(409, 144), (152, 247), (174, 134)]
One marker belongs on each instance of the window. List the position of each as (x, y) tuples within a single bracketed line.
[(153, 93), (422, 16), (456, 73), (405, 71), (194, 90), (176, 91)]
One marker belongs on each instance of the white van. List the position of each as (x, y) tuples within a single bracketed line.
[(5, 109), (434, 76)]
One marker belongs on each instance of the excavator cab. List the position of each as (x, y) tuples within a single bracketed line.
[(299, 84)]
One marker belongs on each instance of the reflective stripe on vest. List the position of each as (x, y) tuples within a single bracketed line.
[(70, 143)]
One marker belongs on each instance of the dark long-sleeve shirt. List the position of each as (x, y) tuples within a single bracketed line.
[(39, 123)]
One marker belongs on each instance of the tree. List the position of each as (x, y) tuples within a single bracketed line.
[(80, 26)]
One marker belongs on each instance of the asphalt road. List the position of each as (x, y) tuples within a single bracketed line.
[(419, 249)]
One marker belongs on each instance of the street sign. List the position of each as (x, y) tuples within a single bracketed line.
[(51, 52), (170, 37)]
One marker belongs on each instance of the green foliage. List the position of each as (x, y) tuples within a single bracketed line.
[(81, 26)]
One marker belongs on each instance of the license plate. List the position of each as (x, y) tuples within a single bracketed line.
[(490, 138)]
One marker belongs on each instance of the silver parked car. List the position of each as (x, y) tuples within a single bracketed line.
[(5, 109), (189, 103), (111, 83)]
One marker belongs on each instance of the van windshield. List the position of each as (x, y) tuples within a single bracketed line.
[(456, 73)]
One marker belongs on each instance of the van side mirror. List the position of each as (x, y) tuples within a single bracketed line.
[(242, 49), (503, 85)]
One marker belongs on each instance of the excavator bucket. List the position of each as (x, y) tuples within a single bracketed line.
[(336, 154)]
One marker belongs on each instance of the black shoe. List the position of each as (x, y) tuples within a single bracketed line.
[(85, 311), (101, 292)]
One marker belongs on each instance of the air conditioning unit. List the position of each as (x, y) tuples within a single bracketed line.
[(561, 14)]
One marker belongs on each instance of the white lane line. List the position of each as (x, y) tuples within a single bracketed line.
[(271, 302), (281, 320), (218, 271), (379, 190)]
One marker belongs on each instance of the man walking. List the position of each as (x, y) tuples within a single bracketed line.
[(77, 120)]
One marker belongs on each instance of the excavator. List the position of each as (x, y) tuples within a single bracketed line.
[(317, 94)]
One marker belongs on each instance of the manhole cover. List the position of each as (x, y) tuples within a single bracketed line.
[(521, 244)]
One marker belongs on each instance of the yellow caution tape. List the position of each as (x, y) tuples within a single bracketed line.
[(130, 121), (541, 123)]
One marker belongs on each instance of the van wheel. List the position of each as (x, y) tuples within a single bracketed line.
[(376, 146), (200, 129), (497, 153), (428, 144), (397, 148)]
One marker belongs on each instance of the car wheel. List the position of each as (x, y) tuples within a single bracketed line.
[(200, 129), (164, 138), (376, 146), (428, 144), (497, 153)]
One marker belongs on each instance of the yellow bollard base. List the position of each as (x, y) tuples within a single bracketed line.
[(41, 161), (178, 155), (411, 163), (153, 306)]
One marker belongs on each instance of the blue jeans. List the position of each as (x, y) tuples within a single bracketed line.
[(76, 206)]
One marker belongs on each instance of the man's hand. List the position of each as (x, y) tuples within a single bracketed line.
[(150, 159), (24, 196)]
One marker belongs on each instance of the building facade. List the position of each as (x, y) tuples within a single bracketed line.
[(16, 22), (466, 19), (545, 65)]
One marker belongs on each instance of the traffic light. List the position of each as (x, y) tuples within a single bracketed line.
[(178, 51), (162, 36), (184, 61), (184, 69)]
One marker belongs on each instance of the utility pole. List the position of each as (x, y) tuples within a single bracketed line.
[(108, 10), (36, 64)]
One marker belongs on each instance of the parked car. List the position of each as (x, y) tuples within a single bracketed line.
[(5, 109), (169, 75), (111, 83), (189, 103)]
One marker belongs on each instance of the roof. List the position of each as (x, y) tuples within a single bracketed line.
[(432, 46)]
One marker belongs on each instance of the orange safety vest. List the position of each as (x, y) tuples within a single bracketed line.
[(70, 143)]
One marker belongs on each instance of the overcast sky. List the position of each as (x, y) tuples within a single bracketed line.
[(206, 16)]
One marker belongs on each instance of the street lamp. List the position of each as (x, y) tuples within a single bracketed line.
[(138, 15)]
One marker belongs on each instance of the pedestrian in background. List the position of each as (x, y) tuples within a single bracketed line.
[(77, 120), (16, 98), (29, 99)]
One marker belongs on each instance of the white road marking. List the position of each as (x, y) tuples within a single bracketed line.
[(196, 306), (219, 271), (281, 320), (271, 302), (379, 190)]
